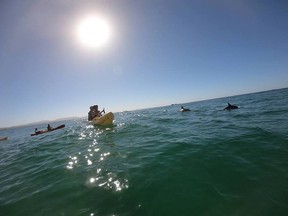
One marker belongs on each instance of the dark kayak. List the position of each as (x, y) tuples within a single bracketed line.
[(46, 131), (3, 138)]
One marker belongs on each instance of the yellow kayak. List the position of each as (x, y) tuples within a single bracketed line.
[(105, 120)]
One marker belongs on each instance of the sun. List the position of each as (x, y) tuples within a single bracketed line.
[(93, 31)]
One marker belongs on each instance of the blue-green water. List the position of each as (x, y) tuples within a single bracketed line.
[(154, 162)]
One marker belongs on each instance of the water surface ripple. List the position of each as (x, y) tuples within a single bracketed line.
[(155, 161)]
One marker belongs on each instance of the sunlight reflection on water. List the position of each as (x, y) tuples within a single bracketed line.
[(96, 161), (108, 181)]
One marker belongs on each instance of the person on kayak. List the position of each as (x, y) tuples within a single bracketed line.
[(94, 112), (49, 128), (37, 131)]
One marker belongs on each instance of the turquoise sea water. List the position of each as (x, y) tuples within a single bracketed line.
[(154, 162)]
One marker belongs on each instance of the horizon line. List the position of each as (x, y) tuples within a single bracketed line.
[(74, 117)]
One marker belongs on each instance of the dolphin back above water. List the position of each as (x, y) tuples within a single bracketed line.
[(184, 109), (230, 107)]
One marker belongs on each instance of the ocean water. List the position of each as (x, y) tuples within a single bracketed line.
[(155, 161)]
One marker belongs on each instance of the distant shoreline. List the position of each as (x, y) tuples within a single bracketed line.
[(41, 122)]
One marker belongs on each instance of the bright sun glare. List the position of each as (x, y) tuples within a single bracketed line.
[(93, 32)]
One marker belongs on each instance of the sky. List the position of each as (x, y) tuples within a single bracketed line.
[(159, 52)]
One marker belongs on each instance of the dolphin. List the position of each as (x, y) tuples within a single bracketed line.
[(230, 107), (184, 109)]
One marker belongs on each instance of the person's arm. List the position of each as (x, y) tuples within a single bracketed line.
[(103, 110)]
